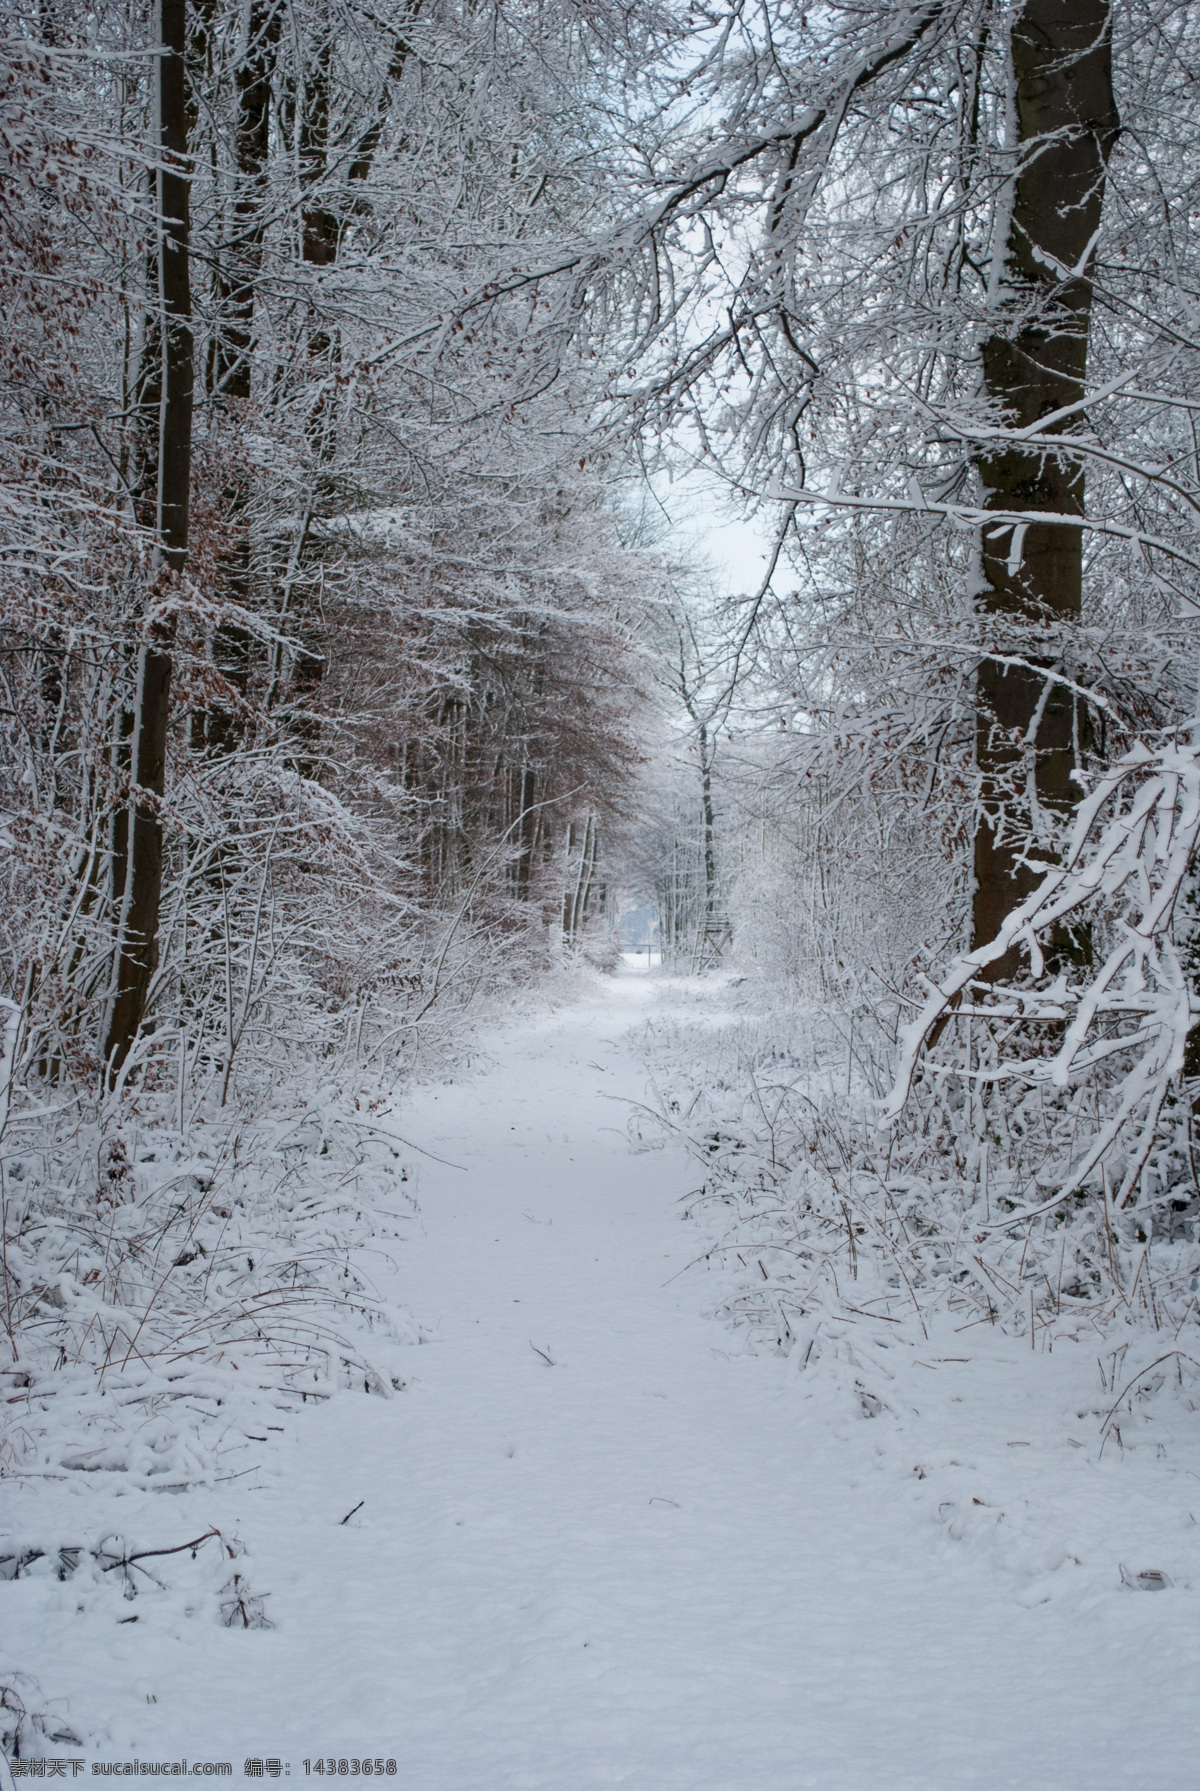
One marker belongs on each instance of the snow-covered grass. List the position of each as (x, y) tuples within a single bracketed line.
[(824, 1211), (162, 1285)]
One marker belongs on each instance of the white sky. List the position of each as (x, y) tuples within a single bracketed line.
[(736, 548)]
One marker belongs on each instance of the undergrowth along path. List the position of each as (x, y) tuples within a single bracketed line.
[(593, 1542)]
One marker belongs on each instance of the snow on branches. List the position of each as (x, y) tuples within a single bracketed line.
[(1131, 851)]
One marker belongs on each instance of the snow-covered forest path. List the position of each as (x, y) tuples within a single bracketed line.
[(597, 1544)]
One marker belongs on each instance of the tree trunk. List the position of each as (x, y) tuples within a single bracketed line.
[(321, 235), (238, 283), (1034, 366), (526, 831), (220, 728), (138, 836)]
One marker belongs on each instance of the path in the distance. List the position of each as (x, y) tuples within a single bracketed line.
[(599, 1546)]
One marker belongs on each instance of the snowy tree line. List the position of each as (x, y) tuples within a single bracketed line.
[(301, 572)]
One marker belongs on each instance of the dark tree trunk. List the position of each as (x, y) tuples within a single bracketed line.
[(713, 931), (219, 729), (1034, 366), (138, 836), (320, 234), (526, 831), (710, 831), (239, 281), (320, 243)]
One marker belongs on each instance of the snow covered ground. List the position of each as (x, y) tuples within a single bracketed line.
[(596, 1543)]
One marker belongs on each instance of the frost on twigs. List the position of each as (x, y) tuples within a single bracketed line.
[(208, 1577), (26, 1725), (240, 1607)]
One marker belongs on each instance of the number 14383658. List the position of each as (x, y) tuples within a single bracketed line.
[(350, 1767)]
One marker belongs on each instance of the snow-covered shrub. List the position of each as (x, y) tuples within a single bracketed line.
[(26, 1724), (1033, 1164), (822, 1211), (162, 1285)]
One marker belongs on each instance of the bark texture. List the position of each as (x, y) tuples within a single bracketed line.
[(1034, 366), (138, 835), (220, 728)]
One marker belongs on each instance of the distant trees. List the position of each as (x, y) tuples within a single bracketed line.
[(508, 721), (675, 858)]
